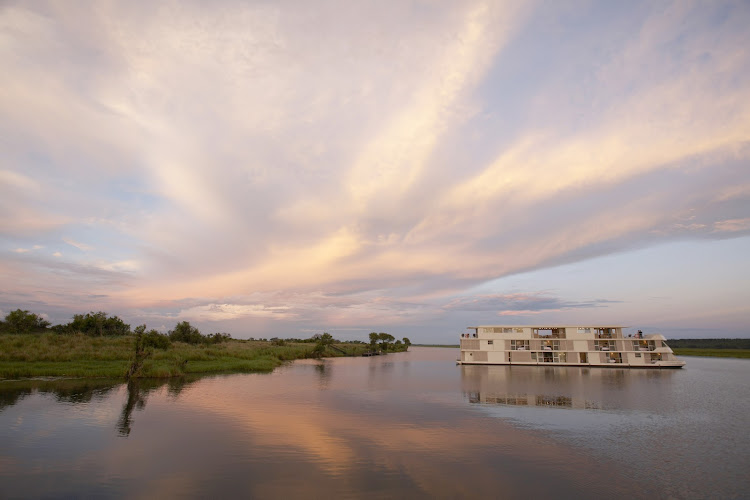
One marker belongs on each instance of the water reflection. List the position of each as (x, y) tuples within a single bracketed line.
[(71, 391), (138, 392), (407, 425), (84, 391), (531, 400), (562, 387), (323, 369)]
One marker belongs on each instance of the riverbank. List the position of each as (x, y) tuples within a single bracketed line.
[(712, 353), (52, 355)]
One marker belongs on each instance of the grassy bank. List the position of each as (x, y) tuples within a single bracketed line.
[(716, 353), (52, 355)]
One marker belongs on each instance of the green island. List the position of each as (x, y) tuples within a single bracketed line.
[(98, 345), (719, 348)]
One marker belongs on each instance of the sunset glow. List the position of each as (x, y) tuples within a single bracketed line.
[(285, 169)]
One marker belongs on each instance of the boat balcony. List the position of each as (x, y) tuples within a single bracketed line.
[(554, 333), (606, 345), (608, 333), (549, 357), (644, 345)]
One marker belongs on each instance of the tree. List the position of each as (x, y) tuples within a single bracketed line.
[(385, 340), (22, 321), (152, 338), (323, 341), (407, 341), (98, 324), (140, 354), (373, 339), (218, 338), (184, 332)]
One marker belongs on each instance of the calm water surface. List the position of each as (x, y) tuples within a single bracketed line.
[(407, 425)]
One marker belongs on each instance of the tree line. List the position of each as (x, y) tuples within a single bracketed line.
[(99, 324), (710, 343), (387, 342)]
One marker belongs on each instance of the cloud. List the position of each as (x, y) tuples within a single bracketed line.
[(218, 312), (356, 164), (80, 246), (732, 225), (25, 250), (520, 303)]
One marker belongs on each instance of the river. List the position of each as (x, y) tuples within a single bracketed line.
[(405, 425)]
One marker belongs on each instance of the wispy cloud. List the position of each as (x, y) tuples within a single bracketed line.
[(733, 225), (360, 164), (80, 246), (520, 303)]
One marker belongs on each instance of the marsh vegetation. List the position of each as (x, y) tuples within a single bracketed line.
[(97, 345)]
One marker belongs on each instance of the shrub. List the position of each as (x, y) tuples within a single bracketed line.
[(218, 338), (184, 332), (157, 340), (97, 325), (22, 321)]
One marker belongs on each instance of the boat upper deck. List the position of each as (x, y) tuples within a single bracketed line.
[(594, 332)]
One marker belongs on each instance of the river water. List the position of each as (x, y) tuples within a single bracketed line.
[(405, 425)]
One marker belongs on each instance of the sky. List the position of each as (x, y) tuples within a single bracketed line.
[(280, 169)]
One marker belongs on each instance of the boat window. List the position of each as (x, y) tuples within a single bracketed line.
[(519, 345)]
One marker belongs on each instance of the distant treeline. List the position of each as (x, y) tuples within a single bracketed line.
[(710, 343)]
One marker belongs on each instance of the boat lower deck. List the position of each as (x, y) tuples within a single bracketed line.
[(658, 364)]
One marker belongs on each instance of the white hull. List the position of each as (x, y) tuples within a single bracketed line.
[(661, 364)]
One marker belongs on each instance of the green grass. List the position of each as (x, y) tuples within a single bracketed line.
[(717, 353), (52, 355)]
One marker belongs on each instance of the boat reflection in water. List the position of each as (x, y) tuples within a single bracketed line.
[(564, 387), (530, 400)]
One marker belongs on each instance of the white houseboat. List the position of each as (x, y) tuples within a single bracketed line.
[(565, 346)]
